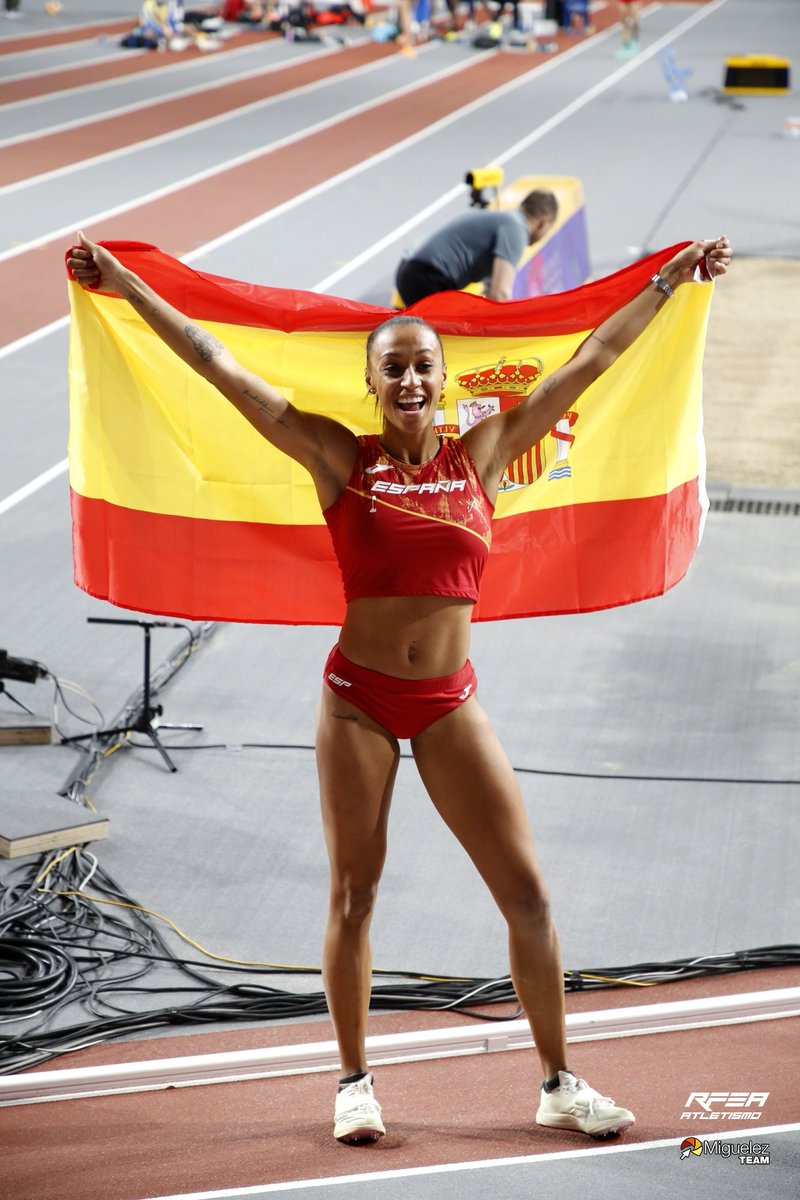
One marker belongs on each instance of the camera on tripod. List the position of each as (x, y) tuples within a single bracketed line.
[(484, 180), (23, 669)]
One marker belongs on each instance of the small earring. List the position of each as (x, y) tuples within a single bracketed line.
[(441, 396)]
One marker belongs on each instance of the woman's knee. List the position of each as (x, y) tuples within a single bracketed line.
[(352, 901), (528, 906)]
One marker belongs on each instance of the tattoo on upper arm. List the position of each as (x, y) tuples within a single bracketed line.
[(265, 407), (549, 384), (206, 346)]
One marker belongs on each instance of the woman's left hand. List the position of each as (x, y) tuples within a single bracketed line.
[(710, 258)]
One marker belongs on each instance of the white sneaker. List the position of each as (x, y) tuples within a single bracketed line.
[(575, 1105), (357, 1114)]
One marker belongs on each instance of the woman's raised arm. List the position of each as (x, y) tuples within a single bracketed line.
[(497, 441), (326, 448)]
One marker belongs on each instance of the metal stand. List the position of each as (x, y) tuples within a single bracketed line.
[(4, 691), (147, 721)]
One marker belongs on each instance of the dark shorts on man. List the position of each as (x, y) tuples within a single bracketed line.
[(417, 279)]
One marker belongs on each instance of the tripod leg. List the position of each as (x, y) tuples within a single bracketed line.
[(151, 733)]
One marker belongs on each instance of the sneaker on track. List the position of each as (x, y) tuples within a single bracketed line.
[(357, 1114), (575, 1105)]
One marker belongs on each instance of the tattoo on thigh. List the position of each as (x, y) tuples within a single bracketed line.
[(265, 407), (204, 343)]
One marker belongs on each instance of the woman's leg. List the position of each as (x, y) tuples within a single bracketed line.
[(356, 763), (472, 785)]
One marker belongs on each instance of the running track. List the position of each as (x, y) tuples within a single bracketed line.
[(196, 213)]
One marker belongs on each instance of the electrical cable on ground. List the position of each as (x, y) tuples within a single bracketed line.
[(64, 947), (549, 772), (60, 946)]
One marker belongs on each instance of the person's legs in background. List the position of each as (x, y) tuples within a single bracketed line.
[(629, 16)]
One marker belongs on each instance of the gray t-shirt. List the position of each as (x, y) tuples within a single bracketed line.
[(464, 250)]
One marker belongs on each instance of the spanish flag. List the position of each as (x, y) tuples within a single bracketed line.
[(181, 509)]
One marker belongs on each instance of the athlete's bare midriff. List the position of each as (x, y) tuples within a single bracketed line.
[(410, 637)]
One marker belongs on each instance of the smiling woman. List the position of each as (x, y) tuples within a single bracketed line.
[(410, 514)]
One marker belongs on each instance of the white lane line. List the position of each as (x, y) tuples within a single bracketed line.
[(527, 1160), (267, 68), (34, 485), (188, 181), (62, 68), (44, 37), (17, 56), (382, 156), (193, 127), (189, 64), (35, 336), (615, 77), (534, 136)]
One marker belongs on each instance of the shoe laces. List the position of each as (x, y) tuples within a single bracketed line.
[(362, 1110), (361, 1087), (361, 1090), (585, 1096)]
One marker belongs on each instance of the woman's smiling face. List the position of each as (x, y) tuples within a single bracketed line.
[(407, 372)]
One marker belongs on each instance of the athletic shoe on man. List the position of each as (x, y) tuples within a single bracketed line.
[(575, 1105), (357, 1115)]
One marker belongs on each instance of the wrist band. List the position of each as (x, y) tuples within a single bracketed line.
[(662, 283)]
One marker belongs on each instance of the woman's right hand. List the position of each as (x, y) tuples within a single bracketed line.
[(92, 266)]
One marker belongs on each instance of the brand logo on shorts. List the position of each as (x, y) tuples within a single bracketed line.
[(338, 680), (466, 692)]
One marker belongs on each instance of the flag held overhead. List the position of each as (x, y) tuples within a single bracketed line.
[(181, 508)]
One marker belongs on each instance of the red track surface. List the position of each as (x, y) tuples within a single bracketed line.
[(48, 153), (15, 90), (62, 37), (194, 214), (444, 1111)]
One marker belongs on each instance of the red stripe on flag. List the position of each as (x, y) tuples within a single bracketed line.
[(206, 297), (205, 570), (590, 556), (576, 559)]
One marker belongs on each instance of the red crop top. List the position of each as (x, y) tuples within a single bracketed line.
[(401, 530)]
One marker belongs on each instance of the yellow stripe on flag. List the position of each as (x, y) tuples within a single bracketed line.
[(148, 433)]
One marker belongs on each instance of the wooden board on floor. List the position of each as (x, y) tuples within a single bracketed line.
[(34, 822)]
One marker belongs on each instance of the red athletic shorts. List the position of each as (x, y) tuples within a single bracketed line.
[(403, 706)]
